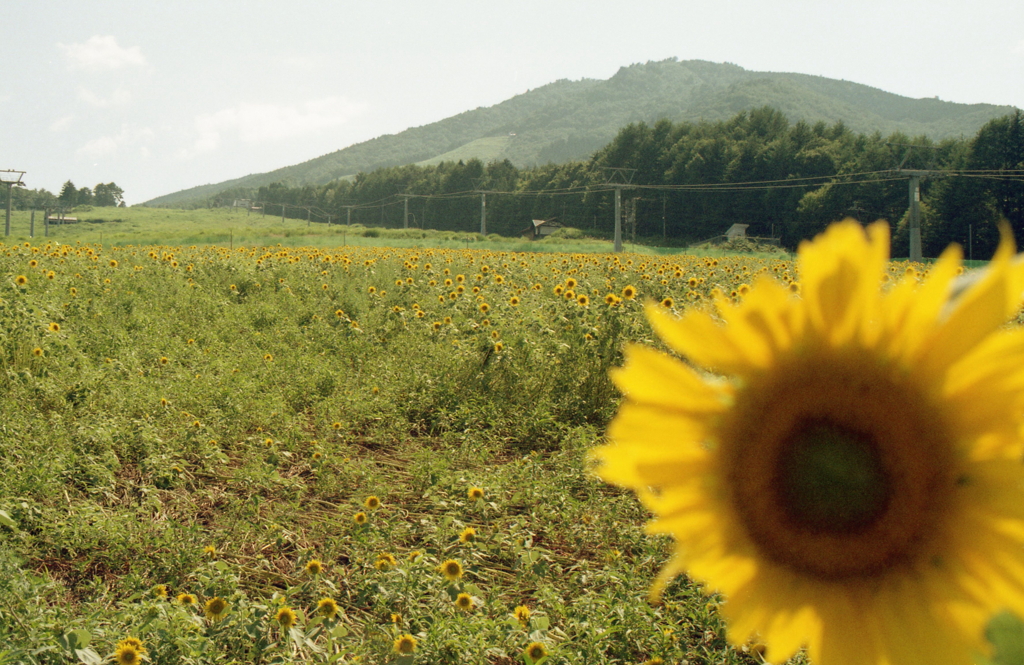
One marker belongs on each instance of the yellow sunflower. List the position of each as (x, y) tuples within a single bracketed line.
[(452, 570), (847, 471), (128, 654), (405, 644), (285, 617), (132, 642), (327, 607), (385, 561), (464, 602), (535, 651), (522, 615), (216, 608)]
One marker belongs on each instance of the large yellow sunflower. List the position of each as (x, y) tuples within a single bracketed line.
[(844, 467)]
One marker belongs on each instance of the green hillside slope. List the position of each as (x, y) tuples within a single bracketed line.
[(569, 120)]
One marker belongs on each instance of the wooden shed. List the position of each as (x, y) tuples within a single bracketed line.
[(737, 231), (540, 228)]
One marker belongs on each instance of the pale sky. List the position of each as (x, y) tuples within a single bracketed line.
[(161, 96)]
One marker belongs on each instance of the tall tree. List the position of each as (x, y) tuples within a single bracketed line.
[(107, 195), (68, 194)]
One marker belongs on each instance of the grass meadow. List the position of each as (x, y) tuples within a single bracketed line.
[(197, 437), (230, 227)]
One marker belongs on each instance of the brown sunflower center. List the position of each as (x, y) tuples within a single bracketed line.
[(831, 479), (838, 467)]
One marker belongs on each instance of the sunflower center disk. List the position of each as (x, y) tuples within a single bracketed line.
[(831, 479)]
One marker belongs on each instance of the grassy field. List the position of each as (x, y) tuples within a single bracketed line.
[(233, 227), (487, 149), (278, 426)]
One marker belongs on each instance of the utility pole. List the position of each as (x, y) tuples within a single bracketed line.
[(914, 211), (348, 215), (914, 191), (915, 216), (483, 213), (478, 183), (618, 178), (617, 242), (32, 225), (12, 179), (282, 212), (405, 211)]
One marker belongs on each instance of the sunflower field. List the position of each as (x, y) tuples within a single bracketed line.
[(361, 454)]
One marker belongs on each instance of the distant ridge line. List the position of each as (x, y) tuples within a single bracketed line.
[(570, 120)]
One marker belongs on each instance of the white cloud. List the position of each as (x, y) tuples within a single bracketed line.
[(101, 52), (61, 124), (119, 98), (1018, 48), (261, 123), (96, 148), (109, 145)]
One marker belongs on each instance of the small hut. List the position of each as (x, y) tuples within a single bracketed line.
[(736, 231), (540, 228)]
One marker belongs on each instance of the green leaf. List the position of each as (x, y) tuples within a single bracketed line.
[(88, 656), (1006, 633), (298, 637), (75, 639), (7, 521), (403, 660)]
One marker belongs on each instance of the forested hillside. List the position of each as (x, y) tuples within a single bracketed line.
[(690, 181), (569, 120)]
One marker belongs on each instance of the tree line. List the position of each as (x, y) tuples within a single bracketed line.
[(103, 194), (690, 181)]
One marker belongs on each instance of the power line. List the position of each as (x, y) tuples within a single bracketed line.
[(584, 190)]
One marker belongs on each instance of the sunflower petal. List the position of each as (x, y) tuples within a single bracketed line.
[(980, 310), (653, 378)]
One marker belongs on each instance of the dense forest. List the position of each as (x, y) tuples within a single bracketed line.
[(690, 181)]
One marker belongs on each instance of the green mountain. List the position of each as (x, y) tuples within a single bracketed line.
[(568, 120)]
